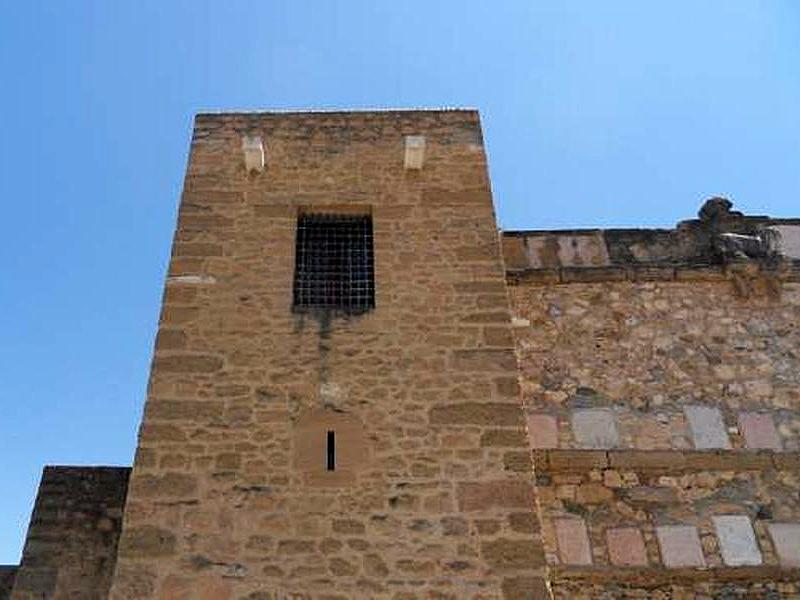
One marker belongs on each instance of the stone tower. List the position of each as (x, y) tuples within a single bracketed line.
[(333, 409)]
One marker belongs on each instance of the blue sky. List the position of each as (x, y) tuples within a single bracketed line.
[(595, 114)]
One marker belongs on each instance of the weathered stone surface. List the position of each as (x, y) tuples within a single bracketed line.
[(707, 427), (164, 486), (786, 538), (71, 546), (759, 431), (188, 363), (525, 588), (789, 240), (512, 555), (477, 413), (148, 542), (542, 430), (485, 360), (595, 428), (7, 576), (479, 496), (573, 542), (626, 547), (512, 438), (680, 546), (737, 540)]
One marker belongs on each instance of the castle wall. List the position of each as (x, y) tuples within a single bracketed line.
[(72, 538), (7, 575), (654, 408), (434, 497)]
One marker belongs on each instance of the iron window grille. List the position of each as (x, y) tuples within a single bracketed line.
[(334, 267)]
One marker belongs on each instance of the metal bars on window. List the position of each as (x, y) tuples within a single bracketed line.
[(334, 263)]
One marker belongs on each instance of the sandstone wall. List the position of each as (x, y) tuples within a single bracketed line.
[(657, 410), (71, 545), (436, 500)]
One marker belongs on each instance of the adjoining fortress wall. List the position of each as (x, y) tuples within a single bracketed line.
[(71, 546), (662, 394)]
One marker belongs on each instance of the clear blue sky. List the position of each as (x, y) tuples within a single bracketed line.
[(595, 114)]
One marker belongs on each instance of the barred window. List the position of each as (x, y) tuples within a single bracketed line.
[(334, 263)]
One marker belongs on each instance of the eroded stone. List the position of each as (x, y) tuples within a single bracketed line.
[(707, 427), (680, 546), (573, 542), (595, 428), (737, 541)]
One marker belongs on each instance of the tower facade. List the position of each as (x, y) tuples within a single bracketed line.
[(333, 408)]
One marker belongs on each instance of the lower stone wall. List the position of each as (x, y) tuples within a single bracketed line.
[(7, 575), (638, 524), (677, 588), (71, 545)]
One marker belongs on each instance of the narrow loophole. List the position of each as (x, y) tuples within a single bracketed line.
[(331, 451)]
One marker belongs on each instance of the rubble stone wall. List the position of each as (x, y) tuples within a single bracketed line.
[(664, 418)]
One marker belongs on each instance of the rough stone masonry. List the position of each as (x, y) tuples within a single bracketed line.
[(361, 390)]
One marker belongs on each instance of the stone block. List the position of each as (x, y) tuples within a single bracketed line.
[(595, 428), (680, 546), (525, 588), (148, 542), (484, 360), (786, 538), (479, 496), (575, 461), (573, 542), (737, 541), (707, 427), (626, 547), (496, 414), (759, 431), (188, 363), (513, 555), (542, 431), (790, 240)]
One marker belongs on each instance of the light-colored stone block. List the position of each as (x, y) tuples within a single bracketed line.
[(680, 546), (786, 538), (790, 240), (626, 547), (707, 427), (595, 428), (737, 541), (254, 156), (415, 151), (573, 542), (542, 431), (759, 431), (564, 250)]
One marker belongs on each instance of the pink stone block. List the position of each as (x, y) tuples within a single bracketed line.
[(573, 542), (786, 538), (759, 431), (680, 546), (542, 431), (626, 547)]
